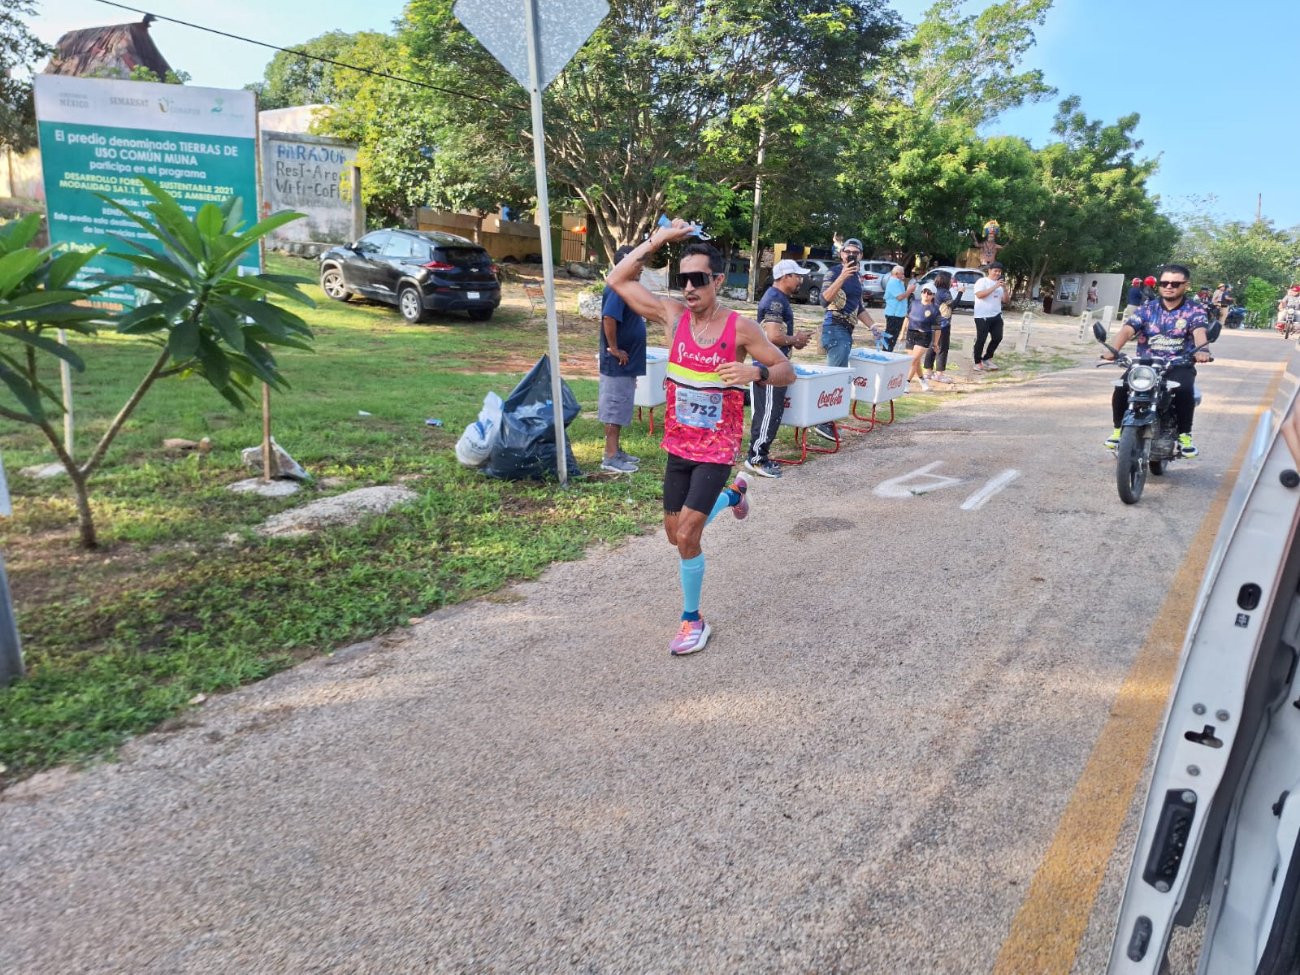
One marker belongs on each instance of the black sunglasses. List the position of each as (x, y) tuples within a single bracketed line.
[(1172, 284), (696, 279)]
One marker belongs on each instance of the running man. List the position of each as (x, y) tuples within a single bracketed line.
[(704, 418)]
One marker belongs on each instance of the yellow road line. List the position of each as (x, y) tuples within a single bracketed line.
[(1046, 932)]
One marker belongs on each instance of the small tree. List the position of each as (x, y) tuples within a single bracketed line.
[(204, 317)]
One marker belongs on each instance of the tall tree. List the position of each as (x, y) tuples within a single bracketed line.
[(20, 49), (1234, 251), (1097, 213), (631, 122), (964, 66), (292, 79)]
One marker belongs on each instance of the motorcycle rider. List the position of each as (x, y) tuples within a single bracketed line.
[(1166, 327), (1288, 309)]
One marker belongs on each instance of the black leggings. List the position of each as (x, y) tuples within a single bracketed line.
[(894, 328), (945, 337), (1184, 401), (990, 330)]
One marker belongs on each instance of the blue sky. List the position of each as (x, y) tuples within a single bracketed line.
[(1215, 83)]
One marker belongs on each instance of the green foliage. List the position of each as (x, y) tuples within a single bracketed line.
[(204, 317), (212, 321), (141, 73), (36, 300), (291, 79), (962, 66), (20, 49), (1260, 298), (1235, 251)]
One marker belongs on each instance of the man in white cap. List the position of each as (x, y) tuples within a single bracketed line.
[(777, 320)]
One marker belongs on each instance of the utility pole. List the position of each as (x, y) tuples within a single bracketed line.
[(754, 255)]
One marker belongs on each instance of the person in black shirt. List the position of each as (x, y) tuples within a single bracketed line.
[(777, 319)]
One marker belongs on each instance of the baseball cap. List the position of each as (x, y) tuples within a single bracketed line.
[(787, 267), (930, 288), (853, 242)]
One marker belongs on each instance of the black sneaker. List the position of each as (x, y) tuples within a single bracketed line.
[(826, 431), (763, 468)]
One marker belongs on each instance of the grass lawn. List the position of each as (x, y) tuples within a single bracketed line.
[(183, 598)]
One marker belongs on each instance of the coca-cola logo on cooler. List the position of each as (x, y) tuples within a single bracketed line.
[(787, 402), (831, 397), (862, 382), (895, 382)]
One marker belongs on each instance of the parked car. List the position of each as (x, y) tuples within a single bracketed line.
[(874, 274), (418, 271), (960, 275)]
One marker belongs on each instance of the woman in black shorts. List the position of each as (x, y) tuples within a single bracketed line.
[(922, 325)]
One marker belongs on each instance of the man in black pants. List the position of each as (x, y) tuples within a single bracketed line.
[(990, 292), (777, 319), (1166, 328)]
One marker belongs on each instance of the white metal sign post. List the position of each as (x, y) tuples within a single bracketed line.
[(553, 30)]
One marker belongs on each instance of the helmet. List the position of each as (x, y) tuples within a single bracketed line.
[(1137, 281), (1150, 282)]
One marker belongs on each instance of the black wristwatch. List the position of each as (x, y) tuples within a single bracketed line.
[(762, 372)]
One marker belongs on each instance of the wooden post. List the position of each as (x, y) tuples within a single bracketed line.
[(358, 208), (65, 379), (266, 432)]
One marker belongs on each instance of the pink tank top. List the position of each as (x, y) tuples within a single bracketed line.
[(704, 418)]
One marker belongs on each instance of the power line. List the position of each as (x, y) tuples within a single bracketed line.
[(311, 57)]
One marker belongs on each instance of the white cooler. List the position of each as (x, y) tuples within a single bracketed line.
[(820, 394), (878, 377), (650, 387)]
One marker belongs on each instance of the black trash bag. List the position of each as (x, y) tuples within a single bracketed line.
[(525, 447)]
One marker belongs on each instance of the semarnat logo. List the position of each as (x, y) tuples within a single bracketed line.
[(832, 397)]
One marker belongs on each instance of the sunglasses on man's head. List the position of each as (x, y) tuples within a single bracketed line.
[(1172, 284), (696, 279)]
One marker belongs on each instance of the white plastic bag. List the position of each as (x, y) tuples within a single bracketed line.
[(475, 444)]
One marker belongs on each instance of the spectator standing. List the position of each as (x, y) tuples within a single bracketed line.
[(776, 318), (990, 293), (1092, 298), (897, 293), (922, 325), (936, 358), (1148, 289), (842, 296), (1134, 299), (622, 360)]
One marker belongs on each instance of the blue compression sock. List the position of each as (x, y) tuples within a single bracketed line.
[(691, 572), (728, 498)]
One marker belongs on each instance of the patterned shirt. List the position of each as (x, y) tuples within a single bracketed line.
[(1163, 333)]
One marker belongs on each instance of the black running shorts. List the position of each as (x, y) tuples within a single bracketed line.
[(690, 484)]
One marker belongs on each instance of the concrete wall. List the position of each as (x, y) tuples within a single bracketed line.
[(308, 173), (20, 175), (1072, 292)]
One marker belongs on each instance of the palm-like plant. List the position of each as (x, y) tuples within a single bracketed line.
[(206, 318)]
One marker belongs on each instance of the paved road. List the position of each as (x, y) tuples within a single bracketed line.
[(866, 771)]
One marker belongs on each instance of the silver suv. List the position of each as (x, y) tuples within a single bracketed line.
[(965, 277), (874, 275)]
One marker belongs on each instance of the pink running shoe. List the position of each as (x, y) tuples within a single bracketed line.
[(690, 638), (741, 509)]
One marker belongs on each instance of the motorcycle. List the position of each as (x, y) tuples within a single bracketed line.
[(1149, 434)]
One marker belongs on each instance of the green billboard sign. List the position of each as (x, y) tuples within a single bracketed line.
[(99, 137)]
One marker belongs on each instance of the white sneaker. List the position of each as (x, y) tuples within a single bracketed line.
[(925, 387)]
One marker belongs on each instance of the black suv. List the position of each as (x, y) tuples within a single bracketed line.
[(418, 271)]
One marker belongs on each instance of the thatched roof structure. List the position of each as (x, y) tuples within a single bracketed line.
[(107, 52)]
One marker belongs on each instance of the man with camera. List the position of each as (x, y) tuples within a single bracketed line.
[(842, 297)]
